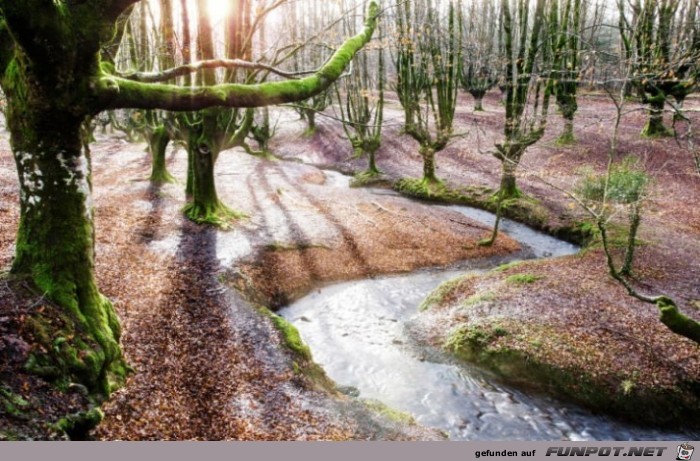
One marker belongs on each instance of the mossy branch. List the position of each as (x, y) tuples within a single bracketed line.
[(170, 74), (114, 92)]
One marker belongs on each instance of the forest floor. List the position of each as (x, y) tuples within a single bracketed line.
[(210, 363)]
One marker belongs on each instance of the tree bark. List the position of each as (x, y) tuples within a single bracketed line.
[(655, 127), (567, 136), (509, 188), (157, 144), (428, 155), (55, 240), (204, 206), (372, 166), (478, 104)]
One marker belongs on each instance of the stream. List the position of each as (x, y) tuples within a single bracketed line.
[(358, 332)]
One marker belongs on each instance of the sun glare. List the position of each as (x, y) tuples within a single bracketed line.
[(218, 9)]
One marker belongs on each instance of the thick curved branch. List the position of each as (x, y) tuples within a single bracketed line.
[(115, 92), (670, 315), (155, 77)]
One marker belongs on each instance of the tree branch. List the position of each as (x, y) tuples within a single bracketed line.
[(155, 77), (114, 92)]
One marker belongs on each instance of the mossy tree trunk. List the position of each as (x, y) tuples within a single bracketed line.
[(55, 241), (428, 155), (372, 162), (655, 127), (565, 27), (204, 206), (158, 143), (310, 115), (567, 135), (509, 188)]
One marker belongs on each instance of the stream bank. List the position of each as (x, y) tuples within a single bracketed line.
[(364, 334)]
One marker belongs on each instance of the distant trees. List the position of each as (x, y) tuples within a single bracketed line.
[(565, 21), (661, 40), (480, 66), (427, 66)]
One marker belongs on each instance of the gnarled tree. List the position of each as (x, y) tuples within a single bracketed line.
[(53, 75), (361, 105), (427, 66), (523, 48)]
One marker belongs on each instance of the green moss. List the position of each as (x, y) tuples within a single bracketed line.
[(506, 266), (653, 130), (479, 298), (523, 209), (567, 138), (437, 296), (217, 214), (433, 191), (369, 178), (474, 338), (78, 426), (68, 352), (302, 363), (391, 414), (290, 337), (522, 279), (11, 403), (309, 132)]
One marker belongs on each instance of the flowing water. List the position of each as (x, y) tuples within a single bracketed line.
[(357, 332)]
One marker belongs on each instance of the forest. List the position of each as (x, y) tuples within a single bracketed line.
[(401, 220)]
